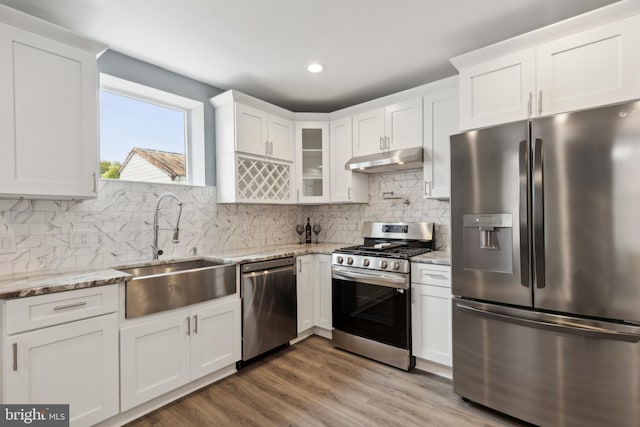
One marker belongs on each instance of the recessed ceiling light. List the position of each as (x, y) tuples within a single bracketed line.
[(316, 67)]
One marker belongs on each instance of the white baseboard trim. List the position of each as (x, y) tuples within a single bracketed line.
[(167, 398), (434, 368), (314, 330)]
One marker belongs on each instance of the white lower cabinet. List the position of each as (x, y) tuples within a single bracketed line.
[(304, 291), (173, 349), (314, 291), (322, 292), (74, 363), (431, 312)]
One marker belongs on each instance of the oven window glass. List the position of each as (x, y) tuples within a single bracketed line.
[(375, 312)]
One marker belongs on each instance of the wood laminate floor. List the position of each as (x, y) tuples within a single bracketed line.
[(314, 384)]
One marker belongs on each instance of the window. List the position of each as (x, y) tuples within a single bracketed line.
[(149, 135)]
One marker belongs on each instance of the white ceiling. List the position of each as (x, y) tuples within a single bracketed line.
[(262, 47)]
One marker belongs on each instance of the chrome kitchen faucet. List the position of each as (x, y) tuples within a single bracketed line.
[(156, 228)]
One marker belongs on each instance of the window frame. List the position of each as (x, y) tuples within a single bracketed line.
[(194, 123)]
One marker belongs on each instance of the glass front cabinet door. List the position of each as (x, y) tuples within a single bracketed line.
[(312, 162)]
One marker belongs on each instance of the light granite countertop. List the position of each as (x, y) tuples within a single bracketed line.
[(435, 257), (277, 251), (25, 285)]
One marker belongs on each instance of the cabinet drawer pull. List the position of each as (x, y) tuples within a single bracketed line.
[(195, 324), (437, 276), (348, 193), (189, 325), (15, 356), (75, 304), (381, 143), (530, 105)]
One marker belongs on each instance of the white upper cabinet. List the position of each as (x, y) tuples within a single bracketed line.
[(346, 186), (255, 150), (441, 120), (403, 124), (48, 114), (312, 162), (263, 134), (281, 138), (497, 91), (368, 132), (251, 130), (393, 127), (592, 68), (586, 69)]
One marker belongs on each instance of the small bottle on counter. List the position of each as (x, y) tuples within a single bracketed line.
[(307, 232)]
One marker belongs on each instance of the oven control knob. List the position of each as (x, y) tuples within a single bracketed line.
[(350, 261), (340, 260), (365, 262), (396, 265), (383, 264)]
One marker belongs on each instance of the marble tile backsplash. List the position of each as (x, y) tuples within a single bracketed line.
[(116, 228), (343, 223)]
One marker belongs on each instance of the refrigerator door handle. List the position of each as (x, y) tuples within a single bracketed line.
[(570, 327), (523, 188), (538, 214)]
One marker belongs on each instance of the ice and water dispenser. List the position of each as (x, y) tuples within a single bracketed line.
[(488, 242)]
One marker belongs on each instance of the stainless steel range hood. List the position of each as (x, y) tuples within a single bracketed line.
[(408, 158)]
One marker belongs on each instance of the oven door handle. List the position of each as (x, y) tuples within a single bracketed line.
[(371, 279)]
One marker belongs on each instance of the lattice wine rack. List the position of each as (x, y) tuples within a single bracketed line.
[(261, 180)]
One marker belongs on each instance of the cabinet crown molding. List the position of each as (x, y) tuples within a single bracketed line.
[(613, 12), (233, 95), (46, 29)]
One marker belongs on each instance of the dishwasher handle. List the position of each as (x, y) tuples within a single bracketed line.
[(267, 265)]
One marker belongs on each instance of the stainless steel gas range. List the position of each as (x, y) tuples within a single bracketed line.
[(371, 291)]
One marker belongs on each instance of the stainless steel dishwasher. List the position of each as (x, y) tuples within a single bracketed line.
[(269, 306)]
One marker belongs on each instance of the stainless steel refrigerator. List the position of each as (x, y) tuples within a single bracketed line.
[(545, 219)]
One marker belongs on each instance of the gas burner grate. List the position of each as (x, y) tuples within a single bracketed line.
[(402, 252)]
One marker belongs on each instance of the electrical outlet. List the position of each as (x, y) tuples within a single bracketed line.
[(7, 243), (79, 238)]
